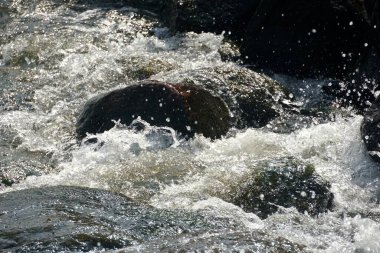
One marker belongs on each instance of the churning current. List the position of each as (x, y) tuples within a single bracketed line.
[(54, 57)]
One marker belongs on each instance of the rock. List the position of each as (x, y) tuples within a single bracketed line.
[(142, 69), (76, 219), (370, 130), (254, 99), (188, 109), (286, 183), (307, 38)]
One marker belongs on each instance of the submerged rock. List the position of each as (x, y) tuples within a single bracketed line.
[(188, 109), (286, 183), (75, 219)]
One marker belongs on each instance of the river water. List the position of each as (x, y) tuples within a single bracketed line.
[(55, 56)]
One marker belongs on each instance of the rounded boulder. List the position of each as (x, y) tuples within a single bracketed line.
[(188, 109)]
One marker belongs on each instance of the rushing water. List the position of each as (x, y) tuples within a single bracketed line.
[(54, 57)]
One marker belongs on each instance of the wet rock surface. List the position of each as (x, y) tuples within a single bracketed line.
[(254, 99), (68, 219), (284, 183), (185, 108)]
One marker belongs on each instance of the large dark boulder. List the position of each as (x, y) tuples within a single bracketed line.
[(307, 38), (370, 130), (254, 99), (287, 183), (188, 109)]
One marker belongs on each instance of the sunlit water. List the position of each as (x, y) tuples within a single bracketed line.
[(54, 58)]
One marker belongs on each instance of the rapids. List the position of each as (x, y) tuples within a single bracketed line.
[(55, 56)]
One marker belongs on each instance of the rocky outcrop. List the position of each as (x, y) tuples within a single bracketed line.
[(188, 109), (287, 183)]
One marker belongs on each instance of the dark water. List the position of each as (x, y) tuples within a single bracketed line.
[(55, 55)]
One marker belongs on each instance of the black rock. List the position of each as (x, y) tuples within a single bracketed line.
[(254, 99), (188, 109), (286, 183)]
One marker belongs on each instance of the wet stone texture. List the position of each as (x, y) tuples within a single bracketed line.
[(254, 99), (75, 219), (72, 219), (185, 108), (286, 183)]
